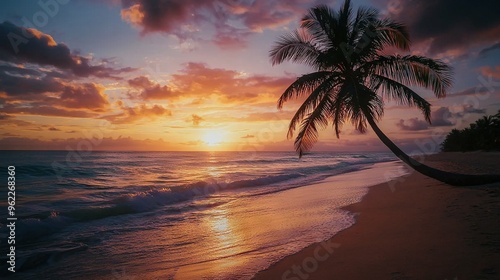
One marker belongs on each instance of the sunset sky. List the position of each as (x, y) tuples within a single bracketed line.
[(195, 74)]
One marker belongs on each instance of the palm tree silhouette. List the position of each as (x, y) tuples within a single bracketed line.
[(352, 76)]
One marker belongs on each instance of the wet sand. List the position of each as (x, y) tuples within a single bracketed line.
[(413, 227)]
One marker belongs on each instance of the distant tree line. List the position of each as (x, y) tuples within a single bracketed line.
[(484, 134)]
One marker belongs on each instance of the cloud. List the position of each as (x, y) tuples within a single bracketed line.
[(38, 93), (25, 83), (31, 91), (449, 26), (107, 143), (196, 119), (84, 96), (165, 16), (248, 136), (150, 90), (136, 113), (489, 49), (478, 91), (469, 109), (44, 110), (199, 81), (185, 18), (490, 71), (53, 129), (29, 45), (228, 38), (413, 124), (441, 117)]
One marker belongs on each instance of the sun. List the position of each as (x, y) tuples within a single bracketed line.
[(213, 138)]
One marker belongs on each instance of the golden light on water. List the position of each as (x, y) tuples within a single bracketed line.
[(221, 227)]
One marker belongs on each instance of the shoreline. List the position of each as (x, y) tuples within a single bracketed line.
[(317, 205), (412, 227)]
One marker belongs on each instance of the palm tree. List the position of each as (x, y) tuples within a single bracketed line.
[(352, 76)]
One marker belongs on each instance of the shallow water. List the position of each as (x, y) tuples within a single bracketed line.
[(179, 215)]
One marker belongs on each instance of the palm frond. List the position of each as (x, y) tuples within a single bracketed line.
[(339, 108), (308, 134), (363, 17), (345, 18), (373, 103), (376, 35), (361, 104), (393, 34), (401, 94), (312, 102), (352, 78), (304, 85), (413, 70), (297, 46), (322, 23)]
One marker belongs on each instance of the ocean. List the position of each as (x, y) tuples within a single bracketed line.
[(177, 215)]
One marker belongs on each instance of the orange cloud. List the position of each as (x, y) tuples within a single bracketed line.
[(196, 119), (133, 14), (133, 114), (44, 95), (200, 81), (85, 96), (150, 90), (197, 79), (490, 71)]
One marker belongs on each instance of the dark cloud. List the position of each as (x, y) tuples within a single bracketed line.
[(469, 109), (16, 82), (84, 96), (185, 17), (53, 129), (37, 93), (4, 117), (18, 71), (489, 49), (441, 117), (164, 15), (47, 91), (449, 26), (479, 91), (28, 45), (413, 124), (45, 110)]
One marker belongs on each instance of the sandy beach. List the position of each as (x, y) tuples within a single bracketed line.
[(412, 228)]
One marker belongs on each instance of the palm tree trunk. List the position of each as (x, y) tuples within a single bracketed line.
[(443, 176)]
